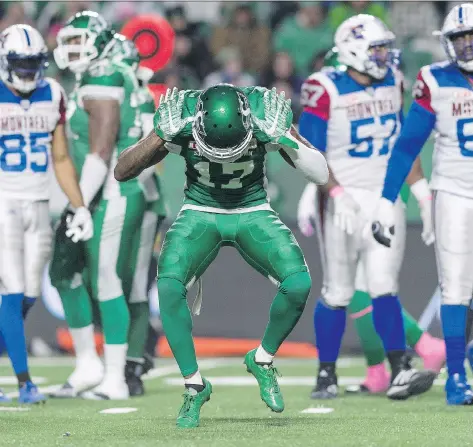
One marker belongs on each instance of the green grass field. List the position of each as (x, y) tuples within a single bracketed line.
[(235, 415)]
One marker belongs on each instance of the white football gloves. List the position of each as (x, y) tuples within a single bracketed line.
[(306, 213), (345, 209), (80, 226), (276, 110), (423, 195), (383, 222), (170, 113)]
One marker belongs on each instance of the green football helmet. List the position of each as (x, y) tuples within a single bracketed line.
[(85, 38), (124, 50), (222, 127), (331, 59)]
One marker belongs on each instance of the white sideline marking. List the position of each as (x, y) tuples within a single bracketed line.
[(122, 410), (172, 369), (14, 409), (290, 381), (12, 380), (53, 362), (154, 373), (317, 410)]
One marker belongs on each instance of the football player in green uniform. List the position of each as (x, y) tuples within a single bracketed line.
[(125, 51), (224, 134), (104, 119)]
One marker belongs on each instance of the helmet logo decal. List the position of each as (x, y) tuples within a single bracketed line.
[(245, 109), (199, 119), (357, 31)]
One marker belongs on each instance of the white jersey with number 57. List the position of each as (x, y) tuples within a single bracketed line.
[(446, 92), (26, 130), (356, 125)]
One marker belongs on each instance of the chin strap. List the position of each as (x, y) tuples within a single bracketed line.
[(198, 298)]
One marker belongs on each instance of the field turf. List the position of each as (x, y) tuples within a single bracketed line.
[(235, 415)]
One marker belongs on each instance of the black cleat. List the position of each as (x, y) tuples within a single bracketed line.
[(407, 381), (148, 363), (326, 386), (133, 373)]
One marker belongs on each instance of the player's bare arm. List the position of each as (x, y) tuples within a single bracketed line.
[(64, 168), (147, 152), (302, 155), (104, 122), (416, 173)]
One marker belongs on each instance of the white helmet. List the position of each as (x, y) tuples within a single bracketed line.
[(23, 57), (458, 22), (357, 38)]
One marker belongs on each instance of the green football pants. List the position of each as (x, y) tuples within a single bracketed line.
[(115, 258), (193, 242)]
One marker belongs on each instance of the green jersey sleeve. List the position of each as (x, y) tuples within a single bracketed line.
[(103, 81), (255, 97)]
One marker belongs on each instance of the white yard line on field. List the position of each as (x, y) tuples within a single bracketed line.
[(153, 374), (53, 362), (288, 381)]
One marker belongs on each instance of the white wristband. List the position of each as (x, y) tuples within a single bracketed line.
[(94, 172), (421, 191)]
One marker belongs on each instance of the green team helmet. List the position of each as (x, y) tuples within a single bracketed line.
[(124, 50), (86, 37), (222, 127), (331, 59)]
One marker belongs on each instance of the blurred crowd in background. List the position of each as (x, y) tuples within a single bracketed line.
[(273, 44)]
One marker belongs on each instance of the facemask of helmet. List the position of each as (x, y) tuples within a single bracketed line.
[(456, 36), (85, 38), (222, 127), (23, 58)]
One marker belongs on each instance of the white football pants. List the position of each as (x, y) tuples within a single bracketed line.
[(25, 245), (357, 261), (453, 225)]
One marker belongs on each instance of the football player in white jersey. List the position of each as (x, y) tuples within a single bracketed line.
[(310, 219), (358, 114), (443, 100), (32, 138)]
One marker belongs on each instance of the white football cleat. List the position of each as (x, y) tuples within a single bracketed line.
[(109, 389), (84, 377)]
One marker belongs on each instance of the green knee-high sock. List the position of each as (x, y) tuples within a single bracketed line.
[(177, 323), (115, 320), (412, 329), (360, 311), (286, 309), (77, 306), (139, 321)]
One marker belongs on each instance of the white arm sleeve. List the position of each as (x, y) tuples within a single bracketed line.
[(311, 162), (148, 126), (146, 174), (92, 177)]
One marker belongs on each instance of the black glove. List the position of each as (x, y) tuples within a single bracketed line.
[(68, 257)]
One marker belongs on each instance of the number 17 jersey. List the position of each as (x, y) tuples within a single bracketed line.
[(361, 123), (234, 187)]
